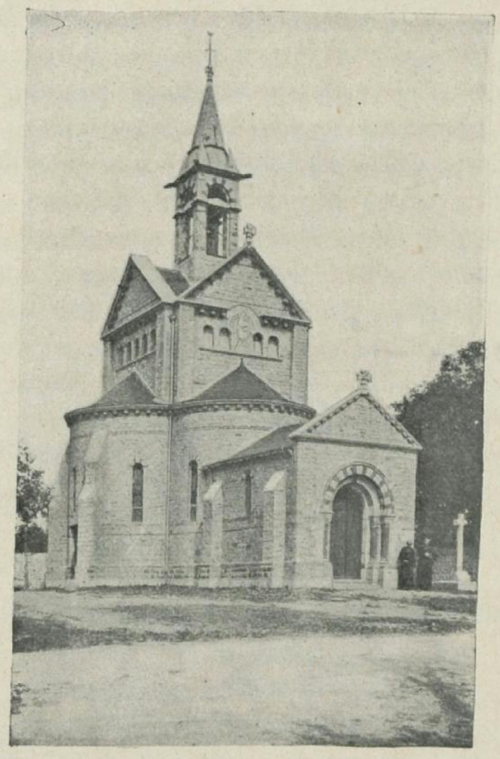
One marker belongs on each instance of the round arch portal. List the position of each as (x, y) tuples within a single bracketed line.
[(358, 508)]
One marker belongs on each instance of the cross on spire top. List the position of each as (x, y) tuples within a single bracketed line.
[(209, 68)]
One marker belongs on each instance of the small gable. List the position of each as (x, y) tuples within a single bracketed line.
[(134, 295), (361, 419), (246, 278), (142, 286), (138, 295)]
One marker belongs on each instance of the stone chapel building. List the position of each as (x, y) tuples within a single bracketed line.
[(202, 463)]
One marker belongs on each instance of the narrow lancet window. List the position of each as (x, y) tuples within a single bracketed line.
[(137, 492), (248, 493), (193, 485)]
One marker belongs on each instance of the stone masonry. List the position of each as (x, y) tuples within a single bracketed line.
[(202, 462)]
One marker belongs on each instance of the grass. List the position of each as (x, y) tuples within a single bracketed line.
[(181, 622)]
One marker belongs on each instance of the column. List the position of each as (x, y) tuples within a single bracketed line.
[(388, 575)]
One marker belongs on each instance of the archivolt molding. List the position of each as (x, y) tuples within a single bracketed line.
[(357, 471)]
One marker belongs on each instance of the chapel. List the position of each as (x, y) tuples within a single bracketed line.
[(202, 462)]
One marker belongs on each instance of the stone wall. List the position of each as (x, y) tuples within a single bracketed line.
[(211, 363), (207, 437), (113, 549), (317, 463), (30, 570)]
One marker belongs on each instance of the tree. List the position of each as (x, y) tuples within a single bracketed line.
[(446, 417), (32, 499), (31, 538)]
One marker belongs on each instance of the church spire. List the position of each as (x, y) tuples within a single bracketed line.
[(208, 131), (207, 192)]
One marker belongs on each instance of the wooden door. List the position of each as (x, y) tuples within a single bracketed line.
[(347, 534)]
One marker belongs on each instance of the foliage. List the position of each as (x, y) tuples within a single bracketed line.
[(446, 417), (32, 498), (31, 538)]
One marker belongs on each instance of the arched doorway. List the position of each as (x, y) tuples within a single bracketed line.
[(346, 536)]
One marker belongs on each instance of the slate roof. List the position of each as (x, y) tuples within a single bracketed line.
[(273, 442), (174, 279), (131, 391), (240, 385), (208, 147)]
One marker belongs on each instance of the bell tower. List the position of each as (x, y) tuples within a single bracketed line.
[(207, 202)]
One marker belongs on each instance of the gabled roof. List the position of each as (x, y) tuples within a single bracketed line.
[(131, 391), (175, 279), (273, 442), (240, 385), (252, 253), (310, 427), (155, 279)]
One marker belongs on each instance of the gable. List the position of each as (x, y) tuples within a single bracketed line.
[(359, 419), (136, 296), (246, 279)]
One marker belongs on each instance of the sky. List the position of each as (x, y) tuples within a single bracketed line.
[(365, 136)]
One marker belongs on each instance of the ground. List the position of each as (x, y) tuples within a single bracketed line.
[(187, 667)]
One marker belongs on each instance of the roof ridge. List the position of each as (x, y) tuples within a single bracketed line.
[(228, 262), (343, 403)]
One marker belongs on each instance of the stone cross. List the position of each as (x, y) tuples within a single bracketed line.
[(249, 231), (460, 522), (364, 378)]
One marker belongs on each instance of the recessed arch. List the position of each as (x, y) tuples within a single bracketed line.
[(366, 476)]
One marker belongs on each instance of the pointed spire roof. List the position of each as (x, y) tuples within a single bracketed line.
[(208, 148), (208, 130)]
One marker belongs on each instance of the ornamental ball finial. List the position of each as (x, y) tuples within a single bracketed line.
[(364, 378), (249, 230)]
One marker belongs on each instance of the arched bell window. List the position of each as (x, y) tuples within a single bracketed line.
[(216, 231), (218, 192)]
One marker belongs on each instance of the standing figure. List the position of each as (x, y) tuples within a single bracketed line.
[(425, 565), (406, 567)]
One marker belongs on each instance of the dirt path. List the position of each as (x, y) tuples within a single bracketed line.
[(376, 690)]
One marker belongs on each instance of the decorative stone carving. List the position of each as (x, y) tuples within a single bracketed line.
[(243, 323), (364, 378), (249, 230)]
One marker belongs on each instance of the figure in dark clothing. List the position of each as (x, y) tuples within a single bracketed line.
[(406, 567), (425, 565)]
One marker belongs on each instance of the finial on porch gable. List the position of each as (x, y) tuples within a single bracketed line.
[(364, 378)]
